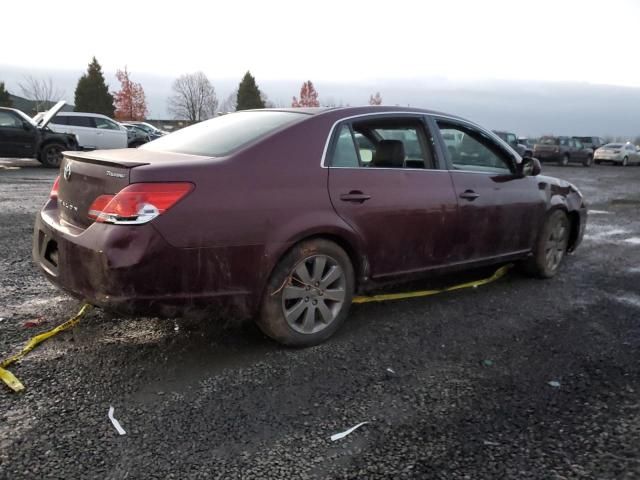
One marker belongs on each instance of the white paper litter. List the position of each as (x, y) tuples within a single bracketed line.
[(390, 370), (598, 212), (115, 422), (338, 436), (489, 443), (554, 383)]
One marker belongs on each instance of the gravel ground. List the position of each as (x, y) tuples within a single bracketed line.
[(469, 396)]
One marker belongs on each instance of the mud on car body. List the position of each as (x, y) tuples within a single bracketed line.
[(283, 215)]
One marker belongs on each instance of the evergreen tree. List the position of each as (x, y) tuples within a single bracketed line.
[(92, 93), (249, 94), (5, 99)]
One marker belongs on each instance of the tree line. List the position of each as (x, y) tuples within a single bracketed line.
[(193, 96)]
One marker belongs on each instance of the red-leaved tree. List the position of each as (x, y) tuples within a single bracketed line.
[(308, 96), (129, 101), (375, 99)]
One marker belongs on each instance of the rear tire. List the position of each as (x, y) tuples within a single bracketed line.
[(550, 247), (51, 155), (564, 161), (308, 295), (625, 161), (597, 162), (588, 161)]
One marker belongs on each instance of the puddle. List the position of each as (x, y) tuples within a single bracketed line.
[(597, 232), (598, 212)]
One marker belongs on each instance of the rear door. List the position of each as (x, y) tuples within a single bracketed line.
[(109, 134), (17, 137), (500, 212), (385, 183)]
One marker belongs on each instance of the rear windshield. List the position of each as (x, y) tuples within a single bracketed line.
[(222, 135), (549, 141)]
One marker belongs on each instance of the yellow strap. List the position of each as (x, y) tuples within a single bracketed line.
[(7, 377), (425, 293)]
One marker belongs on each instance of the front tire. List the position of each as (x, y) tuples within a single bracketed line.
[(308, 295), (550, 247), (51, 155)]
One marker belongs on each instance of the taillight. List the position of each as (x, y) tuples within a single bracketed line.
[(138, 203), (54, 190)]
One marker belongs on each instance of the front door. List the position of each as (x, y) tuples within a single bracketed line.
[(384, 182), (500, 211), (17, 137)]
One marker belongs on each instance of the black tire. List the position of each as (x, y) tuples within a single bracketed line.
[(281, 294), (564, 161), (597, 162), (136, 144), (550, 247), (625, 161), (588, 161), (51, 155)]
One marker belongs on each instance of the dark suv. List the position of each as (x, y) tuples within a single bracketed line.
[(562, 150), (593, 143), (21, 137)]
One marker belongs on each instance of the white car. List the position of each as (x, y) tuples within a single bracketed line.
[(619, 153), (94, 131)]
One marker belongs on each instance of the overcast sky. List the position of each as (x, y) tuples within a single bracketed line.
[(559, 40)]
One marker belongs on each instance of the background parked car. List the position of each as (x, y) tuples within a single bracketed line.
[(593, 143), (562, 150), (512, 140), (618, 153), (152, 131), (21, 137), (94, 131), (136, 136)]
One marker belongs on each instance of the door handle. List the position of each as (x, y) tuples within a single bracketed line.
[(355, 196), (469, 195)]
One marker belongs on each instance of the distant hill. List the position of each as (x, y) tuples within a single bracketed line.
[(28, 106)]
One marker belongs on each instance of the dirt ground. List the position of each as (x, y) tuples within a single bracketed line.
[(454, 386)]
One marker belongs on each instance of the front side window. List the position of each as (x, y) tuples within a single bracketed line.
[(59, 120), (105, 124), (9, 120), (474, 151), (383, 142)]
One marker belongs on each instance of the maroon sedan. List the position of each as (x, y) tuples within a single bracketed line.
[(284, 214)]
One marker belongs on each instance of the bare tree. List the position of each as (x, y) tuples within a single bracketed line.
[(41, 92), (228, 105), (193, 98)]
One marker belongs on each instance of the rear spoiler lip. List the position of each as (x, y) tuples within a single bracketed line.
[(74, 155)]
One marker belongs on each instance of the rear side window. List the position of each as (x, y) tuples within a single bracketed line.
[(59, 120), (383, 142), (223, 135), (79, 121)]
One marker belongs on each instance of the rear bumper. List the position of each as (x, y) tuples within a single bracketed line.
[(133, 270)]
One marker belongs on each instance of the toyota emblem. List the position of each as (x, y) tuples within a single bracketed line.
[(67, 171)]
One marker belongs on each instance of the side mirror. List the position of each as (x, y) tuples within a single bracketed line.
[(530, 166)]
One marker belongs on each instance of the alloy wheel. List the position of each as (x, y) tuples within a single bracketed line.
[(314, 294), (556, 244)]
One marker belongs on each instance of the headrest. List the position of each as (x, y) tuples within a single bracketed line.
[(389, 154)]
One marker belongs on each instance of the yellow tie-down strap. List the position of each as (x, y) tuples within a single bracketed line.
[(7, 377), (425, 293)]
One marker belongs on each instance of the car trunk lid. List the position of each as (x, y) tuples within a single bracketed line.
[(87, 175)]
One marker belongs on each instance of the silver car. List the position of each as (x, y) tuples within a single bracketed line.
[(619, 153)]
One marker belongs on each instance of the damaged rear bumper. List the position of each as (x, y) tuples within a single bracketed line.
[(133, 270)]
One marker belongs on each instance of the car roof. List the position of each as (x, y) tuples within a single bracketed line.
[(359, 110), (82, 114)]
